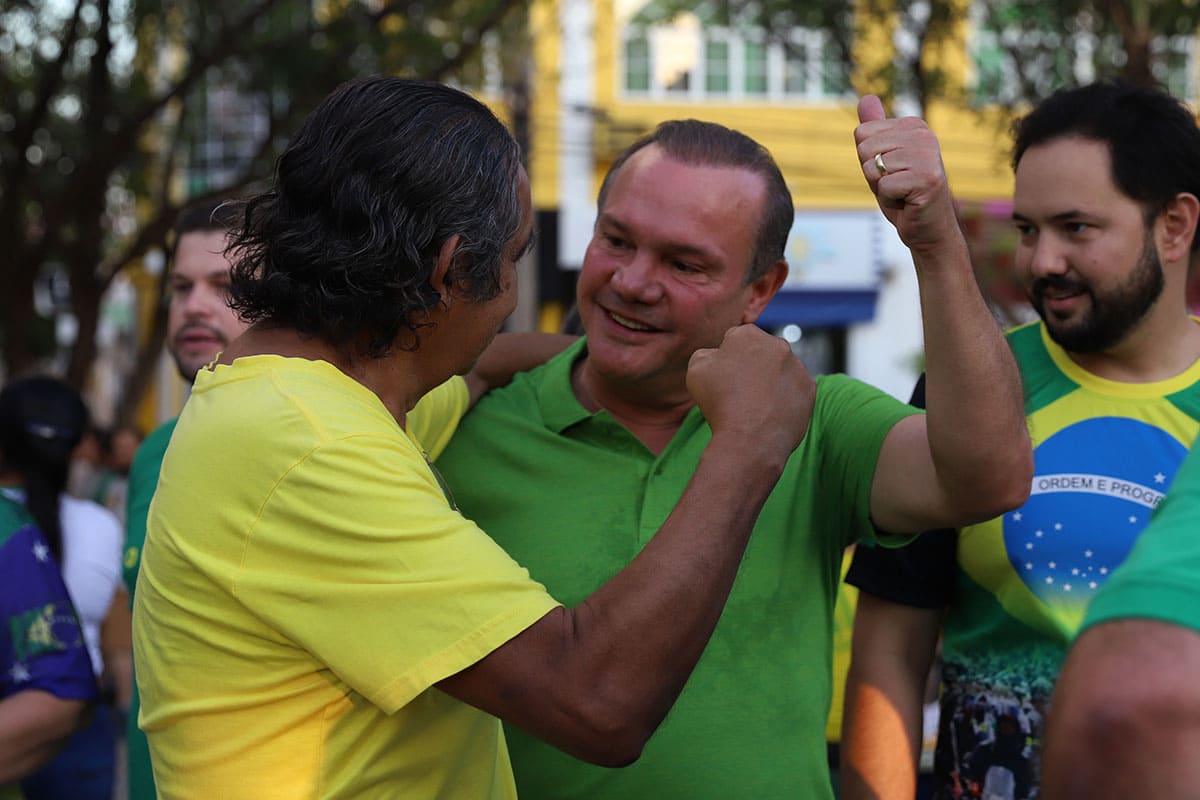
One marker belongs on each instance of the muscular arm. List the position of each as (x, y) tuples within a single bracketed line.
[(969, 458), (510, 353), (892, 652), (1125, 718), (597, 679), (34, 725)]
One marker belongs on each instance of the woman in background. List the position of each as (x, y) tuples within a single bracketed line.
[(41, 421)]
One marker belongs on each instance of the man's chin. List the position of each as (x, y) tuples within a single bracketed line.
[(189, 365), (1077, 336)]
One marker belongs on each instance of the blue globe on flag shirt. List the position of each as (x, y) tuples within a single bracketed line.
[(1095, 485)]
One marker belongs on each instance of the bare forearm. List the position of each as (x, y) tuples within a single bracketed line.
[(882, 726), (970, 459), (976, 419), (1125, 719), (34, 725), (880, 744)]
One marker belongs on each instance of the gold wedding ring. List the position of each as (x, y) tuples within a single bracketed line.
[(879, 165)]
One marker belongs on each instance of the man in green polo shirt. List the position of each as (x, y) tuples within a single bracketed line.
[(200, 324), (688, 242)]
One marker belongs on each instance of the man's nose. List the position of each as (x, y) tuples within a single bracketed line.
[(1047, 257), (200, 302), (637, 279)]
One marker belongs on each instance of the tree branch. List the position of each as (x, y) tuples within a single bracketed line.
[(51, 74)]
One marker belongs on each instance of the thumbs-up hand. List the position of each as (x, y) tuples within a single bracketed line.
[(902, 162)]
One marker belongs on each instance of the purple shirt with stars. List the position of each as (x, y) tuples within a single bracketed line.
[(41, 645)]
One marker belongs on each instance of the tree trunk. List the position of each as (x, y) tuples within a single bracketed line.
[(86, 293), (18, 315)]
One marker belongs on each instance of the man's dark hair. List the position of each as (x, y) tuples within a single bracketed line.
[(374, 183), (698, 143), (1151, 136), (211, 214)]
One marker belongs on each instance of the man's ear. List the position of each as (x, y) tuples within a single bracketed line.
[(1177, 227), (763, 288), (440, 279)]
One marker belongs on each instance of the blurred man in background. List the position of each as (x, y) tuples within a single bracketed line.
[(200, 324)]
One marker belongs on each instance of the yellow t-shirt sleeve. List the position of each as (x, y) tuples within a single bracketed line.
[(435, 417)]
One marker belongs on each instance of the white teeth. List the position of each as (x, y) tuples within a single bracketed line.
[(628, 323)]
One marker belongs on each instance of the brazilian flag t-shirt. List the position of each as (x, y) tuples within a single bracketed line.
[(1105, 454)]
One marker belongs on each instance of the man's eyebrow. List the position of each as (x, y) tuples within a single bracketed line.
[(1062, 216), (671, 246)]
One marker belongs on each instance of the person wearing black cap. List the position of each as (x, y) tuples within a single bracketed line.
[(41, 421)]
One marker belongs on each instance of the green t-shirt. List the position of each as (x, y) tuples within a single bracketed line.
[(1158, 580), (143, 478), (573, 496)]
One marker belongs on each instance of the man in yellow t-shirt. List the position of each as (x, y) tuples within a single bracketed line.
[(313, 617)]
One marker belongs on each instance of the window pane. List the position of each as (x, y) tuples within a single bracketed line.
[(1172, 66), (637, 65), (716, 67), (756, 68), (833, 75), (795, 69)]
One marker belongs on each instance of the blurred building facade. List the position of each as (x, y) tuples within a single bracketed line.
[(585, 78), (606, 71)]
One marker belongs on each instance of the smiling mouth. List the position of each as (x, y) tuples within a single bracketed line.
[(625, 322), (1050, 289)]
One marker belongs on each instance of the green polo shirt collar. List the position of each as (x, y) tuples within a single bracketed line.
[(561, 409)]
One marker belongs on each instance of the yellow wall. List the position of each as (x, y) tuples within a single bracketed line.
[(543, 160), (813, 144)]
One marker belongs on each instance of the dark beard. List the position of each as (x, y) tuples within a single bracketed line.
[(1113, 314)]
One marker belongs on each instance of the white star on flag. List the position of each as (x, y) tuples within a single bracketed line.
[(19, 673), (41, 552)]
